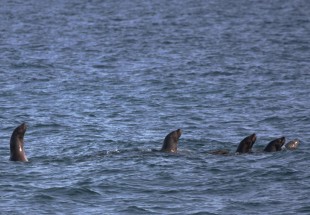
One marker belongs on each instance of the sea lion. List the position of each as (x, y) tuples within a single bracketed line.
[(245, 146), (275, 145), (292, 145), (17, 144), (171, 141), (220, 152)]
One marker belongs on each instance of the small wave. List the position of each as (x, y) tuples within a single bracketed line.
[(71, 191)]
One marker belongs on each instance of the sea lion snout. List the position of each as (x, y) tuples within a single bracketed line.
[(179, 132), (23, 127)]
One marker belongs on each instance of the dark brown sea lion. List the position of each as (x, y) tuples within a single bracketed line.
[(292, 145), (275, 145), (17, 144), (171, 141), (220, 152), (245, 146)]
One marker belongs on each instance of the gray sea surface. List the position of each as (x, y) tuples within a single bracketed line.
[(101, 83)]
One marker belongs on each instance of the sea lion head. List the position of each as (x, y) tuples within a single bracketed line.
[(275, 145), (293, 144), (20, 131), (246, 144), (171, 141)]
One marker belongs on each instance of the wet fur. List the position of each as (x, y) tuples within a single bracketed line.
[(292, 145), (275, 145), (171, 141), (17, 144), (245, 146)]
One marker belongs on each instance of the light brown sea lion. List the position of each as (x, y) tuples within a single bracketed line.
[(293, 144), (17, 144), (171, 141)]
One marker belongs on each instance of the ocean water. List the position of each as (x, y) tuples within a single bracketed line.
[(101, 83)]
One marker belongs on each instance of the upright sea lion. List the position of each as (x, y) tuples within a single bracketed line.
[(171, 141), (245, 146), (17, 144), (275, 145), (292, 145)]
